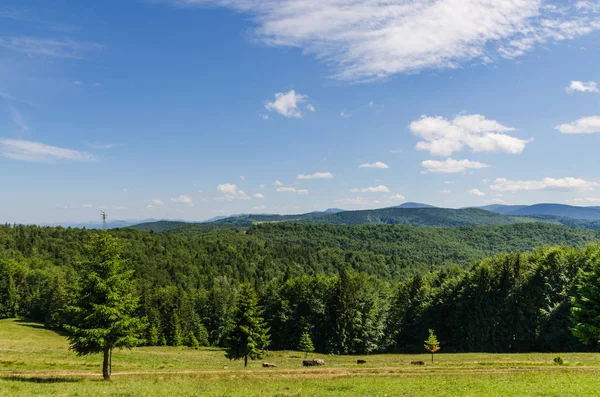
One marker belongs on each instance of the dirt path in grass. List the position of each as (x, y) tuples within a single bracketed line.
[(321, 373)]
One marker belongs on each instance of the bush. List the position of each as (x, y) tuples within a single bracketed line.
[(558, 360)]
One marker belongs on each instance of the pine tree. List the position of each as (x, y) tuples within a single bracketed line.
[(585, 310), (176, 339), (248, 336), (102, 316), (306, 344), (431, 344)]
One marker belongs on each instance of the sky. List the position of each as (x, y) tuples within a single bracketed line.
[(190, 109)]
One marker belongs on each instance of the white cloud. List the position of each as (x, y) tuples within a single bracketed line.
[(359, 201), (77, 82), (397, 197), (446, 191), (277, 183), (374, 189), (231, 191), (580, 86), (259, 208), (292, 190), (60, 48), (286, 104), (585, 125), (377, 164), (155, 203), (183, 200), (345, 115), (316, 175), (102, 146), (373, 39), (265, 116), (87, 206), (18, 118), (476, 192), (450, 166), (242, 177), (590, 200), (39, 152), (262, 186), (259, 195), (397, 151), (310, 107), (442, 137), (563, 184), (494, 201)]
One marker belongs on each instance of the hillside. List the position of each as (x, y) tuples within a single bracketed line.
[(417, 216), (559, 210)]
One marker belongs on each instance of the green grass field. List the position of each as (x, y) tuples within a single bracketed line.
[(36, 362)]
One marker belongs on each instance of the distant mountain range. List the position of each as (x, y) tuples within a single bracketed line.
[(560, 210), (416, 214)]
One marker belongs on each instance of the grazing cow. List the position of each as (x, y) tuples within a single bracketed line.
[(417, 363), (269, 365), (313, 363), (359, 362)]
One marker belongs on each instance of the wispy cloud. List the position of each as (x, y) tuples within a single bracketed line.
[(186, 200), (292, 190), (561, 184), (373, 39), (451, 166), (373, 189), (377, 164), (155, 203), (316, 175), (59, 48), (581, 86), (18, 118), (102, 146), (39, 152)]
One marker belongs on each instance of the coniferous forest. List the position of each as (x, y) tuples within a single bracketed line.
[(350, 289)]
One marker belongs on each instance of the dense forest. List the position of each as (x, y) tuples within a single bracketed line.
[(354, 289)]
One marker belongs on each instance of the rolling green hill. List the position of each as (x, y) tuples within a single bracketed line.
[(435, 217)]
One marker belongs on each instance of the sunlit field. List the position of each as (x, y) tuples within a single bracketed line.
[(36, 361)]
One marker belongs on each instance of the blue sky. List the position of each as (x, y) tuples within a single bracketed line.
[(191, 109)]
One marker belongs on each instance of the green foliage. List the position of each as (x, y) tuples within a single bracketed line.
[(248, 336), (585, 310), (431, 344), (103, 314), (306, 345), (558, 360)]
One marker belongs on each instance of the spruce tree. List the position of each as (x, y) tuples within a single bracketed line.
[(248, 336), (102, 315), (585, 310), (306, 345)]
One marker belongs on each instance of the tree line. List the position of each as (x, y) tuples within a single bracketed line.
[(545, 300)]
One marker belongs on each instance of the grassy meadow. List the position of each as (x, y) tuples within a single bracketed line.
[(36, 362)]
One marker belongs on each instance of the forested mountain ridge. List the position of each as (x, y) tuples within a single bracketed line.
[(415, 216)]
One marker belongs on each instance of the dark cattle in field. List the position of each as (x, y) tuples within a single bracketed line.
[(417, 363), (313, 363), (269, 365), (361, 361)]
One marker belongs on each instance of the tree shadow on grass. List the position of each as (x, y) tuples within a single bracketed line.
[(34, 325), (38, 379)]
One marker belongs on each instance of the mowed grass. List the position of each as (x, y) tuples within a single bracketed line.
[(36, 362)]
